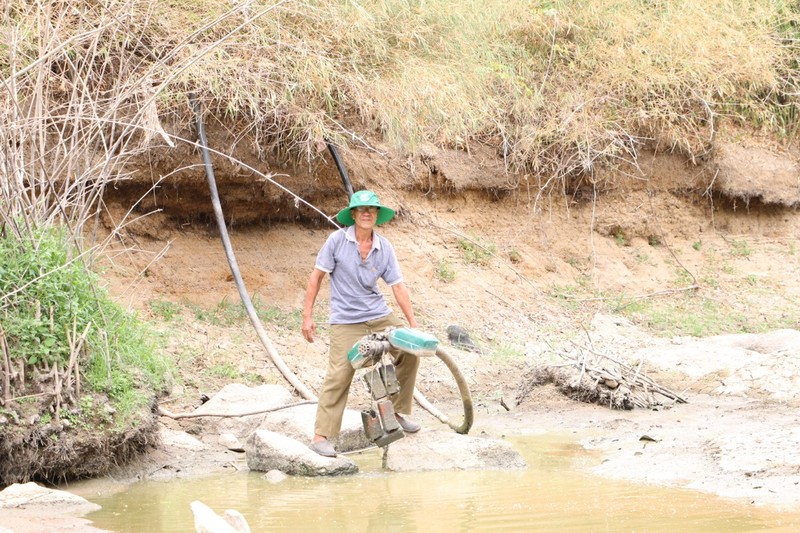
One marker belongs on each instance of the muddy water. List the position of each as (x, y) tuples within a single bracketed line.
[(552, 494)]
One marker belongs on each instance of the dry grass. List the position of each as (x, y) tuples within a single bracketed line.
[(558, 87)]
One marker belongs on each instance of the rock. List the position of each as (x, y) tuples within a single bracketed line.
[(267, 450), (180, 440), (33, 496), (459, 337), (781, 340), (207, 521), (230, 441), (444, 450), (298, 423), (275, 476), (237, 398)]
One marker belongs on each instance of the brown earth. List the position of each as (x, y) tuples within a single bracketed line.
[(558, 259)]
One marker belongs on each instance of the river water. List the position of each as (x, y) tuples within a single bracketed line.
[(554, 493)]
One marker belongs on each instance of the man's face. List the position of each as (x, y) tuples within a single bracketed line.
[(365, 216)]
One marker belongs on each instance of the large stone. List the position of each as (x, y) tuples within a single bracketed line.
[(207, 521), (445, 450), (238, 398), (298, 423), (179, 441), (267, 450), (33, 496)]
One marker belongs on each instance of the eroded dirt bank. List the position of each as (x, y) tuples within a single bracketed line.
[(557, 266), (526, 274)]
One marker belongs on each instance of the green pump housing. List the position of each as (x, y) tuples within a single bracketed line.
[(413, 341), (369, 349)]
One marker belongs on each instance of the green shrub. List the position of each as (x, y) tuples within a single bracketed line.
[(50, 299)]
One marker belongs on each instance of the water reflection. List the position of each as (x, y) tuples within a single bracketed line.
[(550, 495)]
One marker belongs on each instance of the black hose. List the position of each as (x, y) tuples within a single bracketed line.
[(348, 187), (237, 276), (466, 398), (463, 389)]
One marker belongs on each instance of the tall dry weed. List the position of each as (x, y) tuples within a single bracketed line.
[(558, 87)]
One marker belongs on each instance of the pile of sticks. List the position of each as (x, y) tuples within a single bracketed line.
[(589, 376)]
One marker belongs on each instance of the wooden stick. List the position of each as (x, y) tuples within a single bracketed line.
[(75, 349), (176, 416), (57, 393), (6, 368), (670, 394), (15, 398), (640, 380)]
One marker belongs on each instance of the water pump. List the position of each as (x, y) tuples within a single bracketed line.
[(380, 423)]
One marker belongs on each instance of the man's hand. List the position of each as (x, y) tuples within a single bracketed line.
[(309, 329)]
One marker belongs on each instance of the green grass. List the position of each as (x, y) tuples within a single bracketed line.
[(476, 250), (445, 272), (50, 299), (689, 315), (165, 310), (741, 249), (506, 352), (223, 370), (227, 313), (695, 315)]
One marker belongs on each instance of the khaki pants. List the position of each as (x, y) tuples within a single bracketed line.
[(336, 387)]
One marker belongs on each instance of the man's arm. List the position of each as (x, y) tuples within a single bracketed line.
[(312, 289), (403, 299)]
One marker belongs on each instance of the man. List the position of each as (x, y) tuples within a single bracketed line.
[(356, 257)]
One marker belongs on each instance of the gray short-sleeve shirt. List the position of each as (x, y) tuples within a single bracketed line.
[(355, 296)]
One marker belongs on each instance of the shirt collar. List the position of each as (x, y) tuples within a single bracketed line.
[(350, 234)]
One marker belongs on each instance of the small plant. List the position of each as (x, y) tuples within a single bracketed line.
[(683, 277), (476, 252), (506, 352), (165, 310), (654, 240), (619, 238), (697, 245), (616, 302), (741, 249), (223, 314), (223, 370), (514, 256), (445, 271), (252, 377), (275, 315)]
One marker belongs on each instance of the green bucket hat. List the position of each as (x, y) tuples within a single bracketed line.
[(360, 199)]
